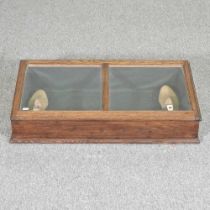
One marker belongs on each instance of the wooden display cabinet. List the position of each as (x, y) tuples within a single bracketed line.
[(104, 101)]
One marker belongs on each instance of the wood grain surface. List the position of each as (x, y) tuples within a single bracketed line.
[(105, 126)]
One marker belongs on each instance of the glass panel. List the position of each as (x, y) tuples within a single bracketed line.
[(66, 88), (139, 88)]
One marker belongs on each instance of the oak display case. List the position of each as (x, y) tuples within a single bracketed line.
[(105, 101)]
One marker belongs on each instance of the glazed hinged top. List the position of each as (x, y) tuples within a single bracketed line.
[(105, 90)]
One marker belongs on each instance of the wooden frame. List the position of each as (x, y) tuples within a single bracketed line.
[(105, 126)]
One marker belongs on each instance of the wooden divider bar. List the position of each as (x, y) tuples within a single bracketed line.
[(105, 92)]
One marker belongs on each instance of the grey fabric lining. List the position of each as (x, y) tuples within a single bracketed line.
[(137, 88), (67, 88), (80, 88)]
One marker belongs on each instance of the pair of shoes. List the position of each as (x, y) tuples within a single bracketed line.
[(168, 98), (38, 101)]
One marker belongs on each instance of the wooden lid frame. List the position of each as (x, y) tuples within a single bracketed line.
[(105, 114)]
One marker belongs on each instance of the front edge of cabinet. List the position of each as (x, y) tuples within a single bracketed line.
[(86, 131)]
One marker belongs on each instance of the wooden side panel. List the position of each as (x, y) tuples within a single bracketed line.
[(191, 90), (104, 131)]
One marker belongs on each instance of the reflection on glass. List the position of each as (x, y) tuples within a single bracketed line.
[(147, 88), (62, 88)]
